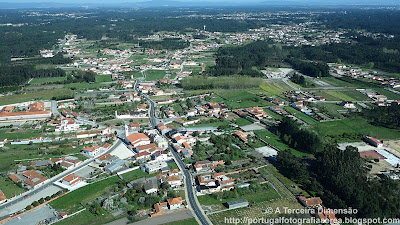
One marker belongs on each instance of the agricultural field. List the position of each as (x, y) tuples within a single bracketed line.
[(275, 88), (304, 117), (275, 141), (242, 99), (336, 82), (242, 122), (103, 78), (73, 201), (342, 95), (9, 188), (214, 124), (135, 174), (152, 75), (85, 85), (39, 95), (45, 80), (357, 125)]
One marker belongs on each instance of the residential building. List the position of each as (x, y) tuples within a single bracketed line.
[(71, 180)]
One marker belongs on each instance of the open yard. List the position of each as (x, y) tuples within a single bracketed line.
[(152, 75), (304, 117), (356, 125), (73, 201), (135, 174), (242, 99), (39, 95), (103, 78), (9, 188), (275, 141), (44, 80), (342, 95)]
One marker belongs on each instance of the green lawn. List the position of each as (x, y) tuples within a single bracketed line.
[(85, 85), (275, 141), (135, 174), (273, 88), (306, 118), (192, 221), (103, 78), (242, 122), (9, 188), (39, 95), (154, 75), (87, 217), (254, 197), (336, 82), (71, 202), (342, 95), (172, 166), (356, 125), (242, 99), (44, 80)]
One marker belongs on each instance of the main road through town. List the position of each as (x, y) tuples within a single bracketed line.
[(192, 199)]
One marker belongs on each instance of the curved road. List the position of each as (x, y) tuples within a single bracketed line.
[(194, 205)]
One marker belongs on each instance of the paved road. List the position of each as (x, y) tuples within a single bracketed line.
[(192, 198), (169, 218), (53, 179)]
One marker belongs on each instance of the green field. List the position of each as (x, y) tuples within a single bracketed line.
[(342, 95), (336, 82), (103, 78), (275, 141), (390, 95), (275, 88), (306, 118), (135, 174), (152, 75), (71, 202), (172, 166), (254, 197), (242, 99), (242, 122), (9, 188), (87, 217), (44, 80), (356, 125), (85, 85), (39, 95)]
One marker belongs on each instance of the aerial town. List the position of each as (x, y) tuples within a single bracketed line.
[(163, 128)]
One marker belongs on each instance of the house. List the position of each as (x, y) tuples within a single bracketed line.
[(71, 180), (207, 165), (150, 187), (314, 202), (91, 150), (3, 198), (160, 155), (145, 148), (159, 208), (240, 203), (138, 139), (175, 203), (174, 181), (154, 166), (161, 142), (14, 178), (241, 135), (2, 142), (278, 102), (347, 105), (374, 142), (144, 155), (115, 166), (33, 178)]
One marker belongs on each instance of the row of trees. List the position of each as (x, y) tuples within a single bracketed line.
[(299, 139), (245, 60), (340, 178), (17, 75), (384, 116)]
